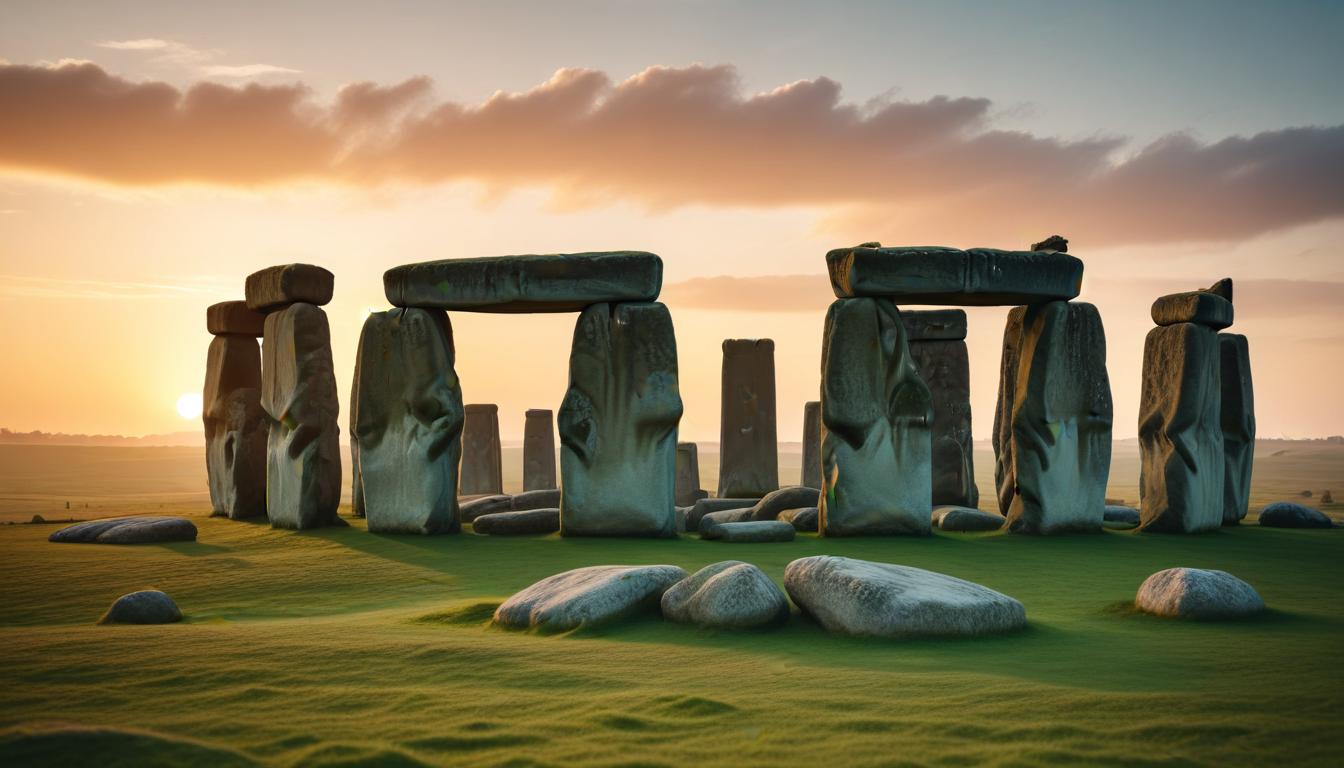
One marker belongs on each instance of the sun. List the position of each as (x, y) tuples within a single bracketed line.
[(189, 405)]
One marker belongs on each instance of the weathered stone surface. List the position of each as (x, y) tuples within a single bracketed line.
[(811, 474), (934, 324), (1116, 513), (706, 506), (233, 317), (727, 595), (1052, 243), (521, 523), (538, 450), (558, 282), (1201, 307), (802, 519), (587, 596), (1195, 593), (356, 477), (965, 520), (298, 393), (770, 505), (618, 423), (748, 438), (274, 287), (1222, 288), (235, 427), (748, 531), (542, 499), (1052, 427), (721, 516), (945, 368), (486, 505), (688, 475), (858, 597), (127, 530), (148, 606), (947, 276), (1285, 514), (1180, 431), (876, 414), (482, 464), (1238, 421), (406, 419)]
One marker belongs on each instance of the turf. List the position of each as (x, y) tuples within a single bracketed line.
[(340, 647)]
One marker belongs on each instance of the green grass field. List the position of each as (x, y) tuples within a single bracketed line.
[(339, 647)]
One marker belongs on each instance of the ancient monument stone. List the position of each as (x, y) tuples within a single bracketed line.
[(520, 523), (274, 287), (688, 475), (406, 418), (938, 348), (708, 506), (148, 606), (1202, 307), (298, 393), (811, 474), (544, 498), (146, 529), (487, 505), (792, 497), (1052, 426), (562, 282), (977, 277), (538, 450), (618, 423), (587, 596), (727, 595), (965, 519), (1238, 421), (802, 519), (1196, 593), (234, 318), (235, 424), (749, 531), (1286, 514), (482, 470), (748, 447), (876, 414)]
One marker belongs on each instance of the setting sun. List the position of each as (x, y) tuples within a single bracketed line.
[(189, 405)]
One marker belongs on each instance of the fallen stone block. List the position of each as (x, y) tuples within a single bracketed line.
[(727, 595), (521, 523), (127, 530), (965, 520), (748, 532), (586, 597)]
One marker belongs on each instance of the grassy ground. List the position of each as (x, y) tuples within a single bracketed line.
[(340, 647)]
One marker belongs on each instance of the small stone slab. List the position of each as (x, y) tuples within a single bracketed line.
[(867, 599), (1195, 593), (149, 606), (486, 505), (803, 519), (1286, 514), (965, 520), (749, 531), (1201, 307), (935, 324), (127, 530), (727, 595), (522, 523), (976, 277), (234, 318), (810, 477), (558, 282), (587, 596), (1116, 513), (722, 516), (793, 497), (539, 450), (542, 499), (748, 436), (274, 287), (703, 507)]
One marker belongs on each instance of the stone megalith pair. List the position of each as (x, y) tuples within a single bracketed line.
[(748, 437), (235, 424)]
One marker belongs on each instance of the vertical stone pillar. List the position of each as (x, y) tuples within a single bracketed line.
[(618, 423), (876, 414), (688, 475), (406, 419), (1238, 421), (748, 441), (235, 424), (538, 450), (937, 340), (482, 464), (811, 474), (1052, 427)]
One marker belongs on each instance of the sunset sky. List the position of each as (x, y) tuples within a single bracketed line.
[(153, 154)]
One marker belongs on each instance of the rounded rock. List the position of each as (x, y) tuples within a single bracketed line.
[(727, 595), (148, 606), (1196, 593), (1285, 514)]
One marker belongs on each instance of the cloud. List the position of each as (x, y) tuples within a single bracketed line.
[(173, 52), (41, 287), (245, 70), (899, 171)]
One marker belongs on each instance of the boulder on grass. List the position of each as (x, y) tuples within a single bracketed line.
[(714, 519), (520, 523), (802, 519), (539, 499), (1119, 514), (1285, 514), (587, 596), (486, 505), (750, 532), (1195, 593), (127, 530), (771, 504), (966, 520), (727, 595), (148, 606)]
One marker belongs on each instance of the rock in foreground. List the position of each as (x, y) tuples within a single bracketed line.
[(1195, 593), (1286, 514), (520, 523), (128, 530), (858, 597), (587, 596), (727, 595), (148, 606)]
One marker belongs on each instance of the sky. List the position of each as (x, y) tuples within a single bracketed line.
[(154, 154)]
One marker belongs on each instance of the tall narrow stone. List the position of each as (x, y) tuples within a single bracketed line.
[(811, 474), (618, 423), (406, 419), (1238, 422), (937, 340), (876, 414), (1053, 425), (748, 441), (688, 475), (538, 450), (235, 424), (482, 470), (303, 466)]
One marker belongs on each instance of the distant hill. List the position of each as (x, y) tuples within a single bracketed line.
[(189, 439)]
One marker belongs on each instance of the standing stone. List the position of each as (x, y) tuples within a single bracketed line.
[(1053, 423), (303, 465), (875, 414), (688, 475), (1180, 431), (235, 425), (748, 449), (407, 419), (1238, 420), (538, 450), (482, 464), (811, 474), (618, 423), (937, 341)]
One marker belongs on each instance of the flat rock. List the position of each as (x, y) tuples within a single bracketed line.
[(867, 599), (1201, 307), (771, 504), (148, 606), (541, 499), (587, 596), (748, 436), (1195, 593), (1116, 513), (703, 507), (127, 530), (234, 318), (520, 523), (1286, 514), (274, 287), (803, 519), (558, 282), (719, 517), (948, 276), (485, 505), (748, 531), (965, 520), (935, 325), (727, 595)]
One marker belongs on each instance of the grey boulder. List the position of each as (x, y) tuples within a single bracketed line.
[(542, 499), (1195, 593), (148, 606), (588, 596), (722, 516), (486, 505), (127, 530), (703, 507), (793, 497), (1285, 514), (802, 519), (750, 532), (521, 523), (727, 595), (965, 520)]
